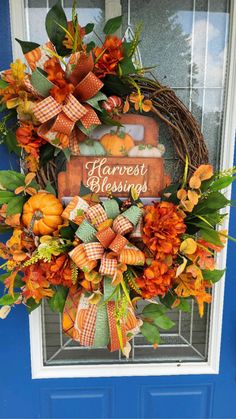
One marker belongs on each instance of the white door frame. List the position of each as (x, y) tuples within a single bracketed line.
[(19, 30)]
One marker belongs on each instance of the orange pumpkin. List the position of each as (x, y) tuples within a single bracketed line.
[(117, 143), (42, 212)]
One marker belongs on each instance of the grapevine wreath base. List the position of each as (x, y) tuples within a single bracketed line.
[(93, 259)]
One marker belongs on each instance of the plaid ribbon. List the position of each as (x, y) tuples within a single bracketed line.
[(108, 266), (86, 336), (94, 251), (96, 215), (118, 243), (67, 114), (115, 341), (69, 313), (111, 243), (122, 225)]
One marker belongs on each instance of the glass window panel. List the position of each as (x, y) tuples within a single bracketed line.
[(187, 40)]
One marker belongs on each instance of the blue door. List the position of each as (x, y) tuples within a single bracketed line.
[(196, 393)]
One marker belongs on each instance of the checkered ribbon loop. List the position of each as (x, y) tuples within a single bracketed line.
[(58, 120), (110, 255), (68, 114)]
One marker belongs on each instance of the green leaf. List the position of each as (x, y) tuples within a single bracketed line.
[(154, 310), (40, 82), (164, 322), (94, 101), (213, 202), (50, 188), (114, 85), (15, 205), (210, 235), (57, 302), (205, 185), (55, 22), (184, 305), (89, 28), (4, 276), (213, 276), (11, 143), (112, 25), (91, 45), (67, 152), (32, 305), (18, 283), (127, 48), (7, 300), (67, 233), (222, 183), (84, 190), (107, 120), (3, 84), (46, 154), (126, 67), (3, 107), (27, 46), (168, 300), (5, 229), (11, 180), (150, 332), (6, 196)]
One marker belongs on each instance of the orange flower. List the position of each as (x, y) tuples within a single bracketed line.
[(28, 139), (156, 279), (163, 225), (32, 162), (70, 37), (15, 77), (204, 256), (36, 285), (140, 104), (108, 56), (58, 271), (57, 76), (190, 286)]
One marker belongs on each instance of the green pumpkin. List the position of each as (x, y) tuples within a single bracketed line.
[(91, 148)]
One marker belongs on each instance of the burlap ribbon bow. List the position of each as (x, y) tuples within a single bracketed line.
[(58, 119), (100, 325)]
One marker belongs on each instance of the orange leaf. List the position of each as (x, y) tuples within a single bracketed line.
[(204, 172), (10, 280), (193, 197), (126, 106), (29, 177), (147, 105), (188, 206), (31, 191), (13, 220), (19, 190), (195, 182), (181, 194)]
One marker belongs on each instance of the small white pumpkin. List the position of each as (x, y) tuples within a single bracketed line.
[(91, 148), (147, 150)]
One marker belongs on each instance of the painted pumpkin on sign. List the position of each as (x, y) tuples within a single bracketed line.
[(91, 148), (42, 213), (147, 150), (117, 143)]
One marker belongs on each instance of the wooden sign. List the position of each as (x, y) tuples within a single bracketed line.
[(104, 174)]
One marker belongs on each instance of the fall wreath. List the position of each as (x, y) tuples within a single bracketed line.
[(91, 258)]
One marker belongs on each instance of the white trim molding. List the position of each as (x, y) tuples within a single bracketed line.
[(39, 370)]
